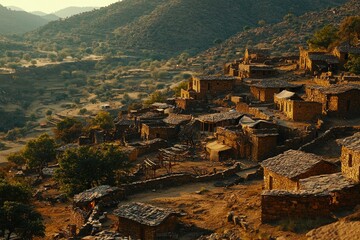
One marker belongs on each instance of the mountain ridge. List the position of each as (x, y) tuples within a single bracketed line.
[(173, 26)]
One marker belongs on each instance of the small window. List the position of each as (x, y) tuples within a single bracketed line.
[(350, 161), (271, 182)]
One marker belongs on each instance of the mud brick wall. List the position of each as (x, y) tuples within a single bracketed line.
[(275, 207)]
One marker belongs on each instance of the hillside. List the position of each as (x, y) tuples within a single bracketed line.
[(15, 22), (171, 26), (282, 38), (70, 11)]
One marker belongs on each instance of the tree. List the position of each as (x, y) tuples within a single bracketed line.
[(104, 121), (17, 158), (353, 64), (13, 193), (324, 38), (39, 152), (349, 29), (177, 88), (86, 167), (156, 96), (16, 216), (68, 130), (21, 219)]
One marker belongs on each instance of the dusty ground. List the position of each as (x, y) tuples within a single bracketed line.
[(204, 208)]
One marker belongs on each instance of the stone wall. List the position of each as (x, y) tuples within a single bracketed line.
[(149, 132), (278, 182), (255, 111), (305, 111), (78, 217), (264, 94), (263, 146), (332, 133), (350, 163), (277, 205), (177, 180)]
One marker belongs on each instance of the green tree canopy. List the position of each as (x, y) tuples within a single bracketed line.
[(104, 121), (353, 65), (40, 151), (87, 167), (324, 38), (350, 29), (157, 96), (177, 88), (21, 219), (68, 130), (16, 216)]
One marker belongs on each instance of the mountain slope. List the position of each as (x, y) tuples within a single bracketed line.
[(13, 22), (70, 11), (283, 38), (172, 26)]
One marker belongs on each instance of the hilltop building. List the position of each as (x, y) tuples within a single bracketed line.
[(338, 100)]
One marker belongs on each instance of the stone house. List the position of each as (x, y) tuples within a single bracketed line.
[(264, 91), (317, 61), (338, 100), (256, 71), (296, 108), (146, 222), (256, 141), (256, 55), (159, 129), (318, 197), (207, 87), (343, 50), (210, 122), (104, 195), (350, 157), (218, 151), (284, 171)]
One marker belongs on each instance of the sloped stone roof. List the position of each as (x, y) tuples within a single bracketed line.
[(352, 142), (176, 119), (324, 184), (143, 213), (215, 78), (339, 88), (218, 117), (274, 84), (94, 193), (292, 163)]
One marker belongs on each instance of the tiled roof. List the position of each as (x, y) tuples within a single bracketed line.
[(143, 213), (292, 163)]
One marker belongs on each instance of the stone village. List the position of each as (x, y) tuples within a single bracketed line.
[(266, 119)]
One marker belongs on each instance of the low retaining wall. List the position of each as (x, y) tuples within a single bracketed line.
[(332, 133), (177, 180)]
